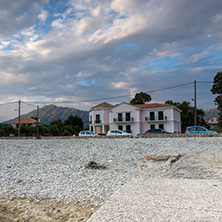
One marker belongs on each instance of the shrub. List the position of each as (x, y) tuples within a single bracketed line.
[(95, 166)]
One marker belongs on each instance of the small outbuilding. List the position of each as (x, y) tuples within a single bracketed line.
[(23, 122)]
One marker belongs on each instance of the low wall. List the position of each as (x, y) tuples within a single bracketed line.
[(181, 135), (116, 137)]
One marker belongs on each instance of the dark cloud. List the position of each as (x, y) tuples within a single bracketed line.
[(17, 15)]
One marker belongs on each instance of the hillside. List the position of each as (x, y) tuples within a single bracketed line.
[(209, 113), (51, 112)]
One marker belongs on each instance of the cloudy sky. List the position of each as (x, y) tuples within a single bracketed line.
[(54, 50)]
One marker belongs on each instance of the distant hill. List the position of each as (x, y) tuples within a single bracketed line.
[(209, 113), (51, 112)]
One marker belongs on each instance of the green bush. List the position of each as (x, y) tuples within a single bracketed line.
[(65, 133), (218, 130)]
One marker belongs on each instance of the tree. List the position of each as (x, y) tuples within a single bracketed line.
[(53, 130), (67, 129), (140, 98), (57, 122), (75, 122), (6, 130), (217, 89), (187, 114)]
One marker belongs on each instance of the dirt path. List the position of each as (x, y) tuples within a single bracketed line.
[(28, 210)]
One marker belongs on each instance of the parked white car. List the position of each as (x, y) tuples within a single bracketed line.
[(116, 132), (87, 133)]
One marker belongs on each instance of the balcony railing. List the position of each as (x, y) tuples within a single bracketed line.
[(123, 120), (155, 119), (95, 121)]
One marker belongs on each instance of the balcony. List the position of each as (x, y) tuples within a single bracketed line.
[(156, 119), (97, 121), (123, 120)]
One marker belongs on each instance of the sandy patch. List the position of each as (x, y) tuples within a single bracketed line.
[(29, 210)]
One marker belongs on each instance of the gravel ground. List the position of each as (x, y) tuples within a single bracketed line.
[(56, 168)]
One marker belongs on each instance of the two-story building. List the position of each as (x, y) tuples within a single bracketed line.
[(134, 118)]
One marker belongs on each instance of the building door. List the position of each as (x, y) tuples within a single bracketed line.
[(120, 127), (160, 115), (127, 116), (98, 118), (152, 116), (152, 126), (161, 126), (128, 128), (120, 117)]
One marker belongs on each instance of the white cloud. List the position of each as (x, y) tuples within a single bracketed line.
[(43, 16), (120, 29), (119, 84), (118, 45)]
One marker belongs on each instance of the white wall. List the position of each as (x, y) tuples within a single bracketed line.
[(125, 108), (139, 125)]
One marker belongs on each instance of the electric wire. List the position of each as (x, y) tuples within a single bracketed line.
[(28, 103), (105, 98), (2, 104), (114, 97), (205, 82)]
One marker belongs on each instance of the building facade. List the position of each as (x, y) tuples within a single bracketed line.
[(23, 122), (134, 118), (212, 122)]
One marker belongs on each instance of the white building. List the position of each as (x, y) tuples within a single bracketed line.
[(134, 118)]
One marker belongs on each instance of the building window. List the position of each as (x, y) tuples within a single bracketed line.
[(161, 126), (160, 115), (152, 115), (152, 126), (120, 127), (98, 118), (128, 128), (120, 117), (127, 116), (91, 129)]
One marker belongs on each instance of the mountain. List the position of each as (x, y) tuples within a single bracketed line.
[(209, 113), (51, 112)]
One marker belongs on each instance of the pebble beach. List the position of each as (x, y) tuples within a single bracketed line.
[(54, 172)]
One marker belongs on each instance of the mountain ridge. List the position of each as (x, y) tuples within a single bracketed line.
[(209, 113), (51, 112)]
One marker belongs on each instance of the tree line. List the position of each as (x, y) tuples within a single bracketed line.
[(71, 126), (187, 114), (74, 124)]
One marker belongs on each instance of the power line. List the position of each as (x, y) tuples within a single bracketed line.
[(205, 82), (171, 87), (28, 104), (114, 97), (106, 98), (2, 104)]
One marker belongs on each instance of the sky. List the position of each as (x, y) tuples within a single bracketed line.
[(80, 51)]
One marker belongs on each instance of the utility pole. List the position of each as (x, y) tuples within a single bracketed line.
[(19, 113), (37, 124), (195, 103)]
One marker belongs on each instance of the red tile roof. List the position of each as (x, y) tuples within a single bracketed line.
[(23, 120), (153, 105), (104, 104)]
